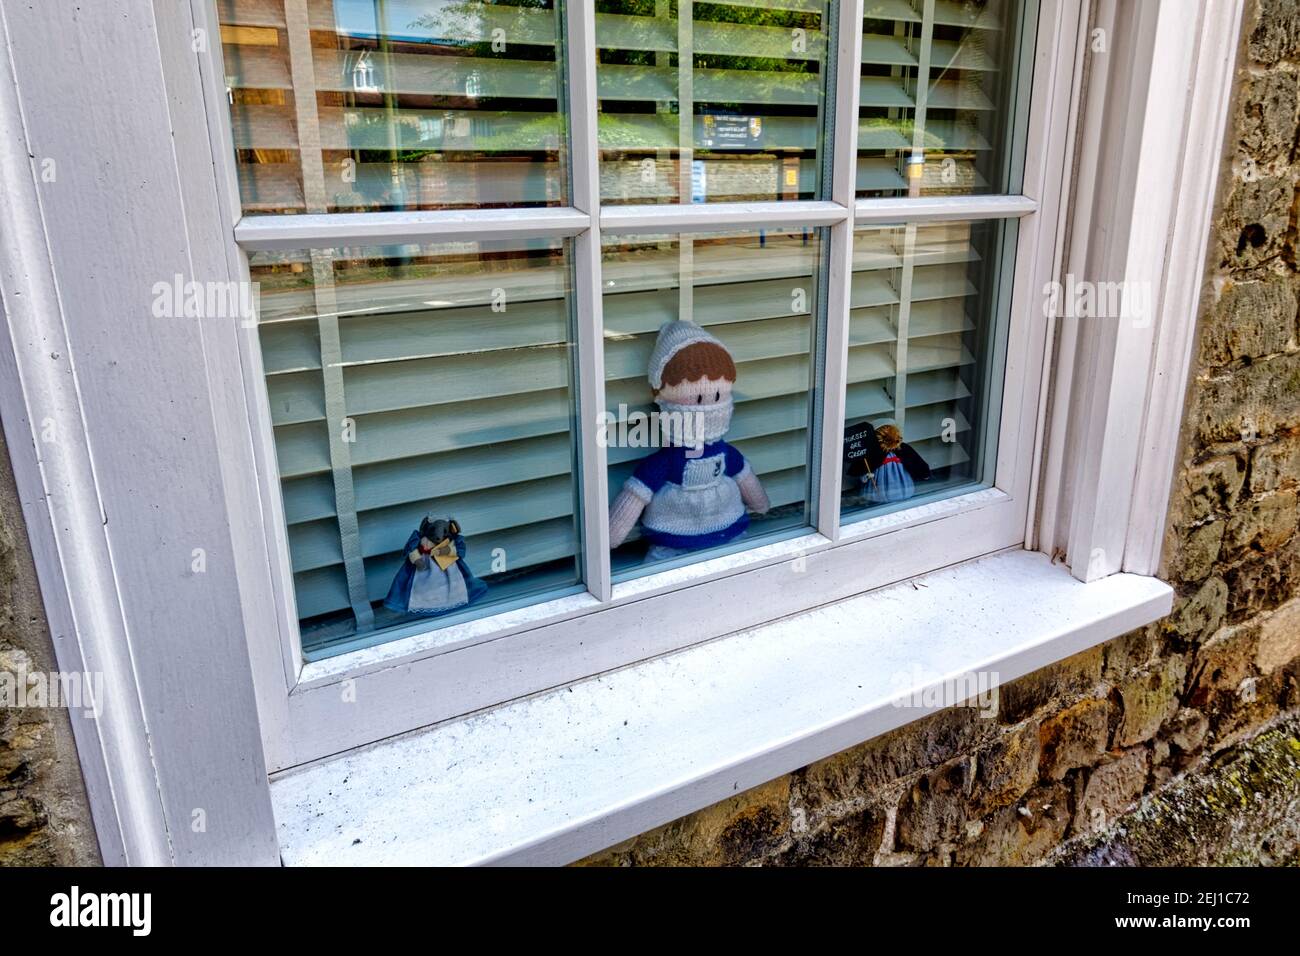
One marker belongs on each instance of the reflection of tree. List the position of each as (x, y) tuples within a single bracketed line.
[(642, 18), (653, 131), (465, 23)]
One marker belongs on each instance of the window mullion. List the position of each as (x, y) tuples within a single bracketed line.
[(262, 233), (580, 64), (942, 209), (720, 217), (840, 272)]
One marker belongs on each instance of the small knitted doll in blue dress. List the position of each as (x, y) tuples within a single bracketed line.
[(434, 578), (694, 492), (896, 468)]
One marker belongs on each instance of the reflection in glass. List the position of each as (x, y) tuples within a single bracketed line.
[(411, 382), (926, 353), (938, 95), (371, 105), (709, 361), (710, 102)]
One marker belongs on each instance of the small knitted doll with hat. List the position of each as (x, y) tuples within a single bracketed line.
[(692, 493), (895, 467)]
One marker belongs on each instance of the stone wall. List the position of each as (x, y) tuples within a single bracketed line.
[(44, 819), (1118, 754)]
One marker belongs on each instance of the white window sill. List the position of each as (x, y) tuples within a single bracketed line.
[(553, 777)]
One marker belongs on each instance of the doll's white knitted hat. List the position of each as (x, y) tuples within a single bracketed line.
[(673, 337)]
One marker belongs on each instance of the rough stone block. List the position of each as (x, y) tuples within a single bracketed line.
[(933, 810), (1186, 730), (1129, 652), (921, 745), (1111, 789), (1148, 699), (1226, 686), (1274, 31), (1263, 583), (1251, 319), (851, 840), (1254, 223), (1251, 402), (1006, 768), (741, 829), (1022, 833), (1261, 525), (1276, 465), (1279, 638), (1075, 737), (1200, 615), (1197, 550), (1058, 683)]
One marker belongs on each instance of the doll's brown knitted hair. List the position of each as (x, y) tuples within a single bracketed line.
[(889, 437), (694, 362)]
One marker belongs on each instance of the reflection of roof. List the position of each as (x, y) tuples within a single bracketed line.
[(390, 37), (405, 21)]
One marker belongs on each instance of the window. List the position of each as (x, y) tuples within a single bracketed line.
[(502, 249), (418, 380), (711, 102), (368, 105), (755, 294), (938, 80), (926, 358)]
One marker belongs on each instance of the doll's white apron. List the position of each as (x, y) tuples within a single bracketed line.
[(707, 500), (433, 589)]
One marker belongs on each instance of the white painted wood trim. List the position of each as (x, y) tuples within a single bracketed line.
[(1113, 433), (587, 299), (839, 272), (135, 477), (941, 209), (627, 751), (1202, 160), (428, 678), (719, 216), (331, 230), (469, 661), (62, 508), (1064, 56), (270, 607)]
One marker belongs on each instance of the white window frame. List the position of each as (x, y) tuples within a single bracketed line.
[(1088, 479), (475, 664)]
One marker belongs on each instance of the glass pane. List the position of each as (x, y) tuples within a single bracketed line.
[(421, 382), (710, 102), (370, 105), (927, 330), (709, 361), (939, 94)]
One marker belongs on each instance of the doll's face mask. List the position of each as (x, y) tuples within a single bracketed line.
[(694, 413)]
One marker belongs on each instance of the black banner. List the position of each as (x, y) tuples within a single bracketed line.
[(333, 907)]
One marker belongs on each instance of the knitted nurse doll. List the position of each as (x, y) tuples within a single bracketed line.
[(692, 493)]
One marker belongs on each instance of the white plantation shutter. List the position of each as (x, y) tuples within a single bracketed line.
[(470, 127), (758, 295), (920, 339), (459, 410), (931, 75), (396, 389), (762, 81)]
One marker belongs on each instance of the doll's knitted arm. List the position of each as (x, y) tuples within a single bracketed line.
[(751, 491), (626, 509)]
